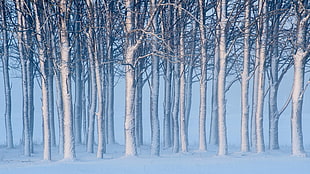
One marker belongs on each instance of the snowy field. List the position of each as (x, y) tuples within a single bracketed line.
[(12, 162)]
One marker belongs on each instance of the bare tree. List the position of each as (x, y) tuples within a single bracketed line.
[(6, 77)]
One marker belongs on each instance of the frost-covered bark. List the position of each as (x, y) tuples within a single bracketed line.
[(155, 131), (245, 145), (69, 147), (183, 132), (302, 52), (130, 141), (262, 36), (6, 78), (203, 79), (39, 17), (222, 19)]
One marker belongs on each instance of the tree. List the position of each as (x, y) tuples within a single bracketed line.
[(245, 145), (261, 56), (155, 132), (39, 17), (6, 77), (69, 147), (301, 53), (25, 53), (222, 25), (203, 79), (130, 142)]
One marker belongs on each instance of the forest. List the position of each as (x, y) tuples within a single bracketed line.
[(78, 50)]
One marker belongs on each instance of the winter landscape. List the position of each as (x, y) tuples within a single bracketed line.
[(154, 86)]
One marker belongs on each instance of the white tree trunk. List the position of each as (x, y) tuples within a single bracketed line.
[(155, 131), (297, 101), (69, 147), (155, 145), (203, 79), (262, 27), (221, 10), (183, 132), (130, 143), (245, 147), (44, 81), (300, 56)]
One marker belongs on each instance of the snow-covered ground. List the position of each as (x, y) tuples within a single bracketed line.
[(12, 162)]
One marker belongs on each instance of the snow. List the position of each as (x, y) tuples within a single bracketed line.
[(191, 162)]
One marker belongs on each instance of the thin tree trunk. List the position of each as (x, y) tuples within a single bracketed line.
[(23, 59), (167, 123), (203, 79), (245, 144), (183, 132), (78, 81), (262, 27), (110, 66)]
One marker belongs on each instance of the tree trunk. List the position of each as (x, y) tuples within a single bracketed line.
[(44, 81), (69, 147), (138, 100), (301, 54), (78, 81), (274, 81), (6, 79), (221, 10), (203, 79), (245, 147), (155, 127), (110, 66), (167, 123), (297, 101), (129, 125), (214, 134), (262, 27), (23, 60), (183, 132)]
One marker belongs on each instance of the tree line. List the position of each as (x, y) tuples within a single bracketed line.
[(76, 49)]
